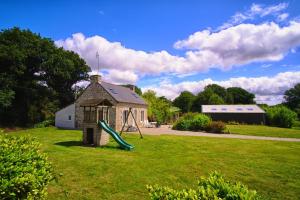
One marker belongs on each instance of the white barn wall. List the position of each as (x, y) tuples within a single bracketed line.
[(62, 117)]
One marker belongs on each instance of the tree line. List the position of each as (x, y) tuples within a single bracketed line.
[(36, 77), (212, 95), (161, 109)]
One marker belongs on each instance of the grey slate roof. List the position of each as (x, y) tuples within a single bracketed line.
[(231, 109), (122, 94)]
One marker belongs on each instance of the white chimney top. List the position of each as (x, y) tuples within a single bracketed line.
[(95, 78)]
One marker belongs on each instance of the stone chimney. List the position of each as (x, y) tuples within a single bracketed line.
[(95, 78), (132, 87)]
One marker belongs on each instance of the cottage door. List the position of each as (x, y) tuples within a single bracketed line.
[(90, 135)]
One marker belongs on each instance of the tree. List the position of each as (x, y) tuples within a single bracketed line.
[(241, 96), (36, 77), (215, 99), (184, 101), (219, 90), (292, 98), (202, 99), (158, 107)]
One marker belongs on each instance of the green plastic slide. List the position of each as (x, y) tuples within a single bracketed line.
[(115, 135)]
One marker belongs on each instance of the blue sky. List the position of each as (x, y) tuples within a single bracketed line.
[(136, 41)]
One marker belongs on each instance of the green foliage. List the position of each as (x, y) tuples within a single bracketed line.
[(217, 95), (215, 99), (25, 172), (280, 116), (184, 101), (296, 124), (36, 77), (43, 124), (292, 99), (192, 122), (218, 90), (213, 187), (216, 127), (158, 107), (240, 96)]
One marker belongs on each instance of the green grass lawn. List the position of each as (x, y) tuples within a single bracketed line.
[(272, 168), (260, 130)]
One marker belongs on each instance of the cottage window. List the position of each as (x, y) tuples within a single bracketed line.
[(135, 114), (142, 115), (125, 114), (70, 117)]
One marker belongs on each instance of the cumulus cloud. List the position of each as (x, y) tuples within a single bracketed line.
[(267, 89), (238, 45), (257, 10), (243, 43)]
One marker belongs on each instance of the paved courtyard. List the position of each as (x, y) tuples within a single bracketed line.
[(166, 130)]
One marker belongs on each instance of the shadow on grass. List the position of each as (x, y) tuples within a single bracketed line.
[(70, 143), (79, 144)]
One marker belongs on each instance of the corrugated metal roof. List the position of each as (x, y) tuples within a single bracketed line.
[(122, 94), (231, 109)]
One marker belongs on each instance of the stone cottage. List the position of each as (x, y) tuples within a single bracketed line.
[(112, 103)]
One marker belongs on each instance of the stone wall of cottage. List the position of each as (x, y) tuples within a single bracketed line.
[(94, 91), (137, 112)]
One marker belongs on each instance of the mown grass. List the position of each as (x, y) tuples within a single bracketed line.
[(260, 130), (272, 168)]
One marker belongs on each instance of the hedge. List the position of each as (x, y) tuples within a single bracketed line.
[(213, 187), (25, 172)]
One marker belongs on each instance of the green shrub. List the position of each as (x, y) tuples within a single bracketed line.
[(24, 170), (281, 116), (43, 124), (216, 127), (233, 123), (200, 122), (296, 124), (212, 188), (192, 122)]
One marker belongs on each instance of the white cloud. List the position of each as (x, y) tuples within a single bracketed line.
[(267, 89), (257, 10), (282, 17), (242, 44), (120, 77)]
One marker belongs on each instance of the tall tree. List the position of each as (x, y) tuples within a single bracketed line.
[(292, 98), (184, 101), (241, 96), (36, 77), (219, 90), (158, 107), (202, 98), (215, 99)]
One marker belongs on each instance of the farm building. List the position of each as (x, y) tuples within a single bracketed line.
[(102, 100), (249, 114)]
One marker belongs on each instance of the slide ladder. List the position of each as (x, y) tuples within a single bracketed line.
[(115, 135)]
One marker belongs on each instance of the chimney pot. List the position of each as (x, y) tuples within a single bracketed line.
[(95, 78), (132, 87)]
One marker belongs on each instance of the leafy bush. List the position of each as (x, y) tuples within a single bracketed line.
[(281, 116), (233, 123), (296, 124), (43, 124), (216, 127), (200, 122), (213, 187), (192, 121), (24, 170)]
